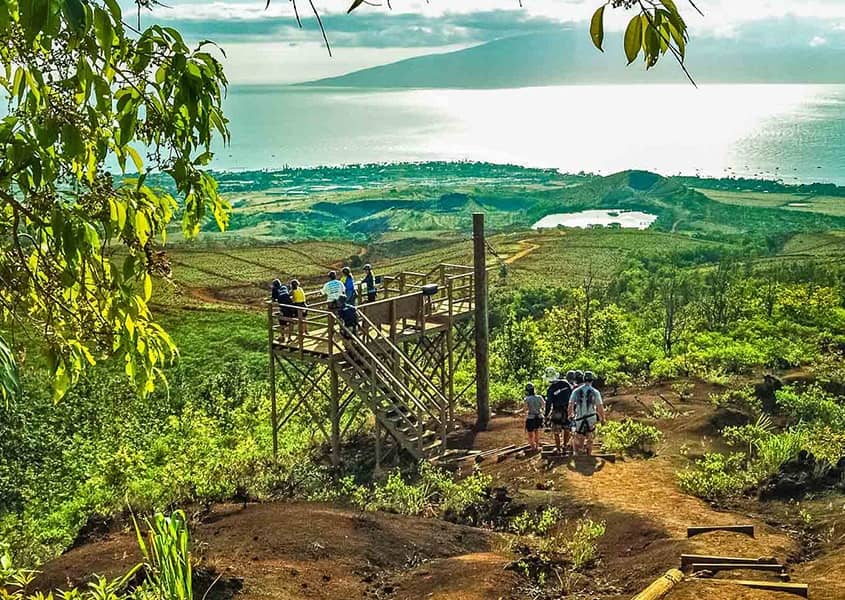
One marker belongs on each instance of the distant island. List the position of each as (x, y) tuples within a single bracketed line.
[(568, 57)]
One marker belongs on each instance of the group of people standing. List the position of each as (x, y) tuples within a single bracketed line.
[(571, 409), (341, 293)]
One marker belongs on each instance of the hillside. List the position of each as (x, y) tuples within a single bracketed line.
[(568, 57)]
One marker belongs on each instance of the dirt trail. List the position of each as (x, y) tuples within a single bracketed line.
[(527, 247), (302, 551)]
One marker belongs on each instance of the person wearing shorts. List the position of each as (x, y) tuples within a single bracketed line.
[(533, 416), (586, 410), (557, 410)]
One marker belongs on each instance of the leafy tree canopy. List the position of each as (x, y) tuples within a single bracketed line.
[(77, 243)]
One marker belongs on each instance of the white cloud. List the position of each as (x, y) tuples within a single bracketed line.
[(817, 41)]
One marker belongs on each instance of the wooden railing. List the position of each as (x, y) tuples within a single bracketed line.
[(401, 304)]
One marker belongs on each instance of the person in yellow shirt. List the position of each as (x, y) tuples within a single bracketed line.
[(297, 295)]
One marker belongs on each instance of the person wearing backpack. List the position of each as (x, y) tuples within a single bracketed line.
[(287, 312), (369, 282), (348, 317), (586, 410), (533, 416), (557, 410)]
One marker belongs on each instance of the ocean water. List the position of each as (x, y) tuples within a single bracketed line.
[(626, 219), (792, 132)]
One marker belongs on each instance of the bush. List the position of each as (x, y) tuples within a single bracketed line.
[(811, 405), (717, 477), (629, 436), (434, 493), (740, 398), (582, 545), (536, 523)]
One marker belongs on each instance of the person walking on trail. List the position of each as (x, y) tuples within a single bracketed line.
[(333, 289), (370, 283), (297, 295), (557, 410), (586, 410), (533, 416), (348, 282)]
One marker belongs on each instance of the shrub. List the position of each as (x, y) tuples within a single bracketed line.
[(741, 398), (813, 404), (683, 389), (434, 493), (167, 557), (536, 523), (629, 436), (582, 544), (716, 476)]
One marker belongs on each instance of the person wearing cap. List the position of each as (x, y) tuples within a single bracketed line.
[(586, 410), (557, 408), (533, 416), (369, 283), (333, 289)]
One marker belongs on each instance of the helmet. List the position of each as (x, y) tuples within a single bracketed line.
[(570, 375), (589, 376), (529, 388), (579, 376), (551, 374)]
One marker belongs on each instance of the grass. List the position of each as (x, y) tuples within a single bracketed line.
[(823, 205)]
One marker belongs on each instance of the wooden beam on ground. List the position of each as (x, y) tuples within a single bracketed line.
[(661, 586), (753, 566), (743, 529), (488, 453), (799, 589), (503, 455), (690, 559)]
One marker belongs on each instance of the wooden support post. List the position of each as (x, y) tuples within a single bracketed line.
[(274, 417), (450, 376), (334, 413), (482, 337), (378, 439), (743, 529), (662, 586)]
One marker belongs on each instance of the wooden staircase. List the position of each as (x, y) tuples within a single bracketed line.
[(403, 399)]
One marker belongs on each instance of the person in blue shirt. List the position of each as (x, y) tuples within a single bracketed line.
[(349, 285)]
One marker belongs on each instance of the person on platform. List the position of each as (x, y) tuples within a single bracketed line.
[(298, 299), (333, 289), (533, 416), (281, 296), (348, 282), (348, 317), (369, 283)]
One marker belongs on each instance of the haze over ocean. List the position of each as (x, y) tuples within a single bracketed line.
[(792, 132)]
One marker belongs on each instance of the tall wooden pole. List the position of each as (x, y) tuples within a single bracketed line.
[(274, 419), (482, 333), (334, 413)]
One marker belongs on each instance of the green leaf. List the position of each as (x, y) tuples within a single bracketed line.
[(651, 42), (74, 12), (136, 158), (104, 30), (634, 38), (9, 383), (597, 28), (34, 15), (142, 227), (72, 143), (148, 287)]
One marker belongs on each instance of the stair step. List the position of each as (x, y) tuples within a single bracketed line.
[(437, 443), (427, 435)]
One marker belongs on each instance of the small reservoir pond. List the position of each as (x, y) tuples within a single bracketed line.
[(627, 219)]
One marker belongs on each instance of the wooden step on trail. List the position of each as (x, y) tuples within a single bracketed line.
[(799, 589), (743, 529), (691, 559)]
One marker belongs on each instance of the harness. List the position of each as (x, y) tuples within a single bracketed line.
[(585, 410)]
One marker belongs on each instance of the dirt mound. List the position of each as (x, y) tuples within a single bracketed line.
[(297, 550)]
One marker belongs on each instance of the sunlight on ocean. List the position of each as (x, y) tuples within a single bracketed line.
[(795, 132)]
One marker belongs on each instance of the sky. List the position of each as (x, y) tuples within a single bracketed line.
[(267, 46)]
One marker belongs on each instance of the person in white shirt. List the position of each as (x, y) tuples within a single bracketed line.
[(333, 289), (586, 410)]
